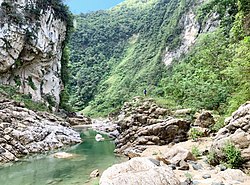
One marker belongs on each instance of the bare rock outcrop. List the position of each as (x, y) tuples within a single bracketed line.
[(142, 122), (31, 42), (141, 171), (190, 32), (237, 131), (23, 131)]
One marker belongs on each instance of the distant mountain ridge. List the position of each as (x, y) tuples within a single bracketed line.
[(182, 51)]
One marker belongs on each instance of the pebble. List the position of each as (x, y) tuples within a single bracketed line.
[(197, 166), (206, 176)]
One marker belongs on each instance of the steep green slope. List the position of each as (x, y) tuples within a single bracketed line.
[(115, 54), (215, 74)]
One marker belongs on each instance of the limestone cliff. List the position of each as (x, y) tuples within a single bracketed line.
[(31, 41), (191, 29)]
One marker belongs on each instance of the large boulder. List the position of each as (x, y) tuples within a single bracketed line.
[(237, 132), (177, 154), (139, 171), (233, 176)]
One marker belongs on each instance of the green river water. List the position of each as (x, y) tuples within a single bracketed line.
[(45, 169)]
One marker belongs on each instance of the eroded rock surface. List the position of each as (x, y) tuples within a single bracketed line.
[(237, 132), (140, 171), (23, 131), (31, 41), (79, 120), (144, 123)]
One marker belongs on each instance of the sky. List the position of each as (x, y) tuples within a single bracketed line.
[(85, 6)]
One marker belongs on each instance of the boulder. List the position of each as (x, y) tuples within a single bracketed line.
[(177, 154), (79, 120), (233, 176), (63, 155), (171, 130), (237, 132), (204, 119), (138, 171), (99, 137)]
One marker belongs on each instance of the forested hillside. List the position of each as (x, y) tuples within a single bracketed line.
[(115, 54)]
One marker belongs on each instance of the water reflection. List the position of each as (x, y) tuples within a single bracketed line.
[(45, 169)]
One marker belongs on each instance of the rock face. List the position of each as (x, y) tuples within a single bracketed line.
[(31, 38), (23, 131), (191, 29), (144, 123), (237, 132), (141, 171)]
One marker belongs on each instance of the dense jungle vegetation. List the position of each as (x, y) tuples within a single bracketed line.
[(115, 54)]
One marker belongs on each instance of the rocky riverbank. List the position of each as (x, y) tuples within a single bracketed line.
[(143, 123), (162, 145), (23, 131)]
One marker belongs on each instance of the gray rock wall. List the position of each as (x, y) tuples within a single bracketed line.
[(31, 48)]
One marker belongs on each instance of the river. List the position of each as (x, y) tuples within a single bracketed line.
[(44, 169)]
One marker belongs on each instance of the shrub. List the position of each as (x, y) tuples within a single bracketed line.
[(30, 104), (195, 134), (189, 176), (196, 152), (17, 80), (31, 83), (12, 93), (233, 155)]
